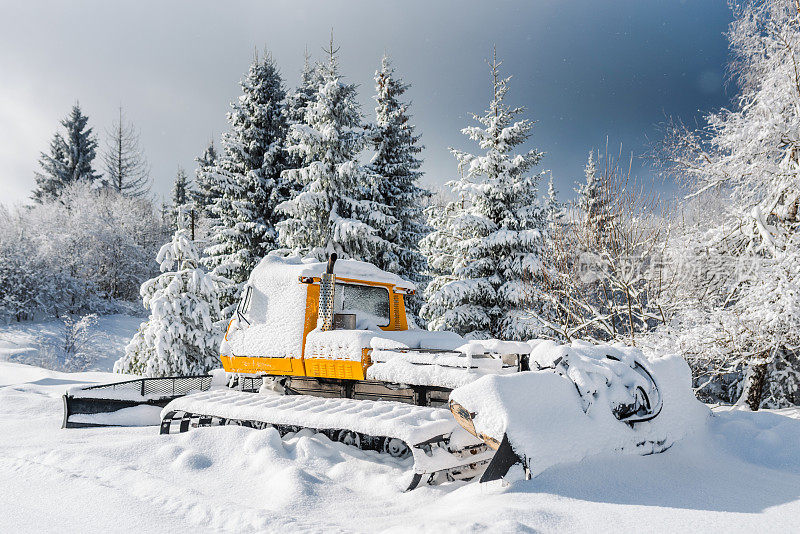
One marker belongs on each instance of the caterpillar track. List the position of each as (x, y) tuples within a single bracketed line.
[(441, 450)]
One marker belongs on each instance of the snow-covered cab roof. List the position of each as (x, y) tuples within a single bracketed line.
[(295, 267)]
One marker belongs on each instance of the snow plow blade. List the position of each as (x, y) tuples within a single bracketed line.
[(129, 403), (441, 450), (503, 460)]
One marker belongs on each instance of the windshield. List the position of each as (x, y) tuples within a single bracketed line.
[(367, 302)]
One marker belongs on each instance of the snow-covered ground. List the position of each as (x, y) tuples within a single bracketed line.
[(742, 474)]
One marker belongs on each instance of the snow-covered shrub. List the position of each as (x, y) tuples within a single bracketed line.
[(602, 279), (75, 338), (85, 252), (20, 273), (183, 332), (70, 352)]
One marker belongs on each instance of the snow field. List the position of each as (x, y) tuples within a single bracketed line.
[(741, 473)]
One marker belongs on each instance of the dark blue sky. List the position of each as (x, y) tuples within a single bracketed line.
[(584, 69)]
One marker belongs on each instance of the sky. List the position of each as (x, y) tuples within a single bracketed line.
[(587, 72)]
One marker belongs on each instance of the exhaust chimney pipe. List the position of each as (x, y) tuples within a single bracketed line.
[(326, 296)]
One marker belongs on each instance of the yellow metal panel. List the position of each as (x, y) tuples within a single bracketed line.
[(312, 311), (270, 366), (343, 369), (397, 312)]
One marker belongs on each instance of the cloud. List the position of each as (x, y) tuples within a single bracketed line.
[(584, 69)]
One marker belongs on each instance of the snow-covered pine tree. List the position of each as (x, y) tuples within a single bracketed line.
[(497, 231), (394, 174), (182, 192), (182, 334), (248, 172), (69, 160), (553, 208), (306, 92), (438, 247), (207, 190), (295, 108), (331, 213), (592, 202)]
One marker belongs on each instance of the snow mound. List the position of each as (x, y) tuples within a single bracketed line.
[(761, 438), (549, 422)]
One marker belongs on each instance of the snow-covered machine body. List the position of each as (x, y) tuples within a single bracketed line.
[(328, 347), (314, 328), (337, 334)]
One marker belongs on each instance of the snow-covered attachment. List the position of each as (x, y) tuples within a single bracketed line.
[(583, 400), (442, 359), (128, 403), (440, 448)]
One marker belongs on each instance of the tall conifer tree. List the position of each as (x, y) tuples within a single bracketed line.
[(495, 230), (207, 189), (248, 173), (331, 213), (394, 173), (69, 160)]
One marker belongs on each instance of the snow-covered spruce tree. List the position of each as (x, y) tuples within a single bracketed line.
[(496, 230), (439, 245), (69, 160), (745, 166), (296, 104), (553, 208), (394, 175), (331, 214), (182, 192), (306, 92), (182, 334), (592, 202), (207, 190), (126, 170), (248, 172)]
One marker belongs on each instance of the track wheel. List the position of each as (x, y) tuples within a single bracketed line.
[(396, 448), (348, 437)]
